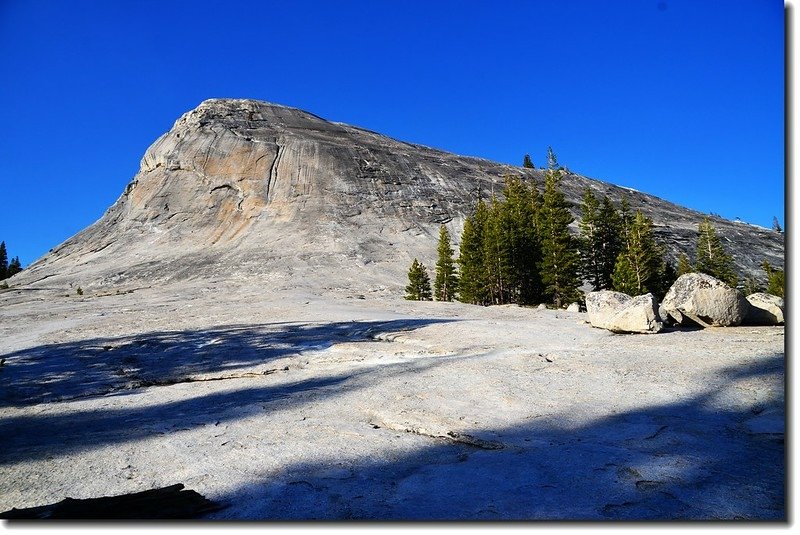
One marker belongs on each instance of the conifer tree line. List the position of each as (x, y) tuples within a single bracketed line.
[(7, 269), (520, 250), (712, 259), (514, 250)]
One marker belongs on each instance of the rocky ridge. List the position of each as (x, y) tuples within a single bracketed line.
[(243, 189)]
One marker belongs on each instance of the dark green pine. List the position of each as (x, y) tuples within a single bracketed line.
[(3, 261), (559, 267), (712, 258), (472, 286), (419, 283), (446, 282)]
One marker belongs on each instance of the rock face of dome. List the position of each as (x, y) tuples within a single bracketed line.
[(242, 189)]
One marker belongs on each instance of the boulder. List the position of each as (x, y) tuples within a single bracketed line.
[(663, 315), (604, 300), (574, 307), (697, 298), (765, 309), (621, 313)]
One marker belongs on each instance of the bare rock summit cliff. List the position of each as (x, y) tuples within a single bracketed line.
[(248, 190)]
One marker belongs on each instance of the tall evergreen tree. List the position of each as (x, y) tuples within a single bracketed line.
[(594, 242), (667, 275), (776, 280), (498, 253), (520, 208), (640, 267), (527, 162), (609, 238), (626, 217), (776, 226), (472, 274), (470, 261), (3, 261), (14, 266), (684, 265), (419, 283), (711, 256), (552, 161), (446, 282), (587, 243), (559, 267)]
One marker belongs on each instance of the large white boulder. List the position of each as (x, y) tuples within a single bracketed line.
[(765, 309), (621, 313), (706, 301)]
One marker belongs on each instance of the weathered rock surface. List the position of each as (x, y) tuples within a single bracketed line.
[(697, 298), (621, 313), (663, 315), (247, 189), (600, 304), (285, 406), (574, 307), (765, 309)]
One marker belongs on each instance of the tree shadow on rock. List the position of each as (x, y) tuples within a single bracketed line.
[(686, 460), (61, 432), (97, 366)]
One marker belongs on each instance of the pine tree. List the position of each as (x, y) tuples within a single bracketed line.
[(472, 275), (14, 266), (590, 246), (446, 281), (640, 267), (711, 256), (684, 265), (776, 226), (419, 283), (559, 267), (481, 221), (552, 161), (609, 238), (3, 261), (776, 280), (469, 260), (626, 217), (497, 253), (751, 286), (521, 244), (527, 162), (667, 275)]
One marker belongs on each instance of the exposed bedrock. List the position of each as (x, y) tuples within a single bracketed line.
[(243, 188)]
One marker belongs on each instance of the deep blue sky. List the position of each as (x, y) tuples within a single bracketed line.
[(679, 98)]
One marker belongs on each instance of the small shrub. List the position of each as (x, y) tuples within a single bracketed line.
[(79, 291)]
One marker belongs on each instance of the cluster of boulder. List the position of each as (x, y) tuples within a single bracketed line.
[(695, 299)]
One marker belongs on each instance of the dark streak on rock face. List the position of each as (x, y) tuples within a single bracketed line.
[(294, 193)]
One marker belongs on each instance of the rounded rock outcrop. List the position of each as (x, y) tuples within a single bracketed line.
[(621, 313), (698, 298), (249, 190), (765, 309)]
